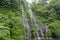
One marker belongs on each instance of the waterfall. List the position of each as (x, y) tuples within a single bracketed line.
[(25, 22), (40, 29), (34, 21)]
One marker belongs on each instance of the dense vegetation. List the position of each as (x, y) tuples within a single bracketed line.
[(11, 25), (49, 14)]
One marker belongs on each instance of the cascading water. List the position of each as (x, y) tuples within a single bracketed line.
[(40, 29), (44, 29), (25, 22), (34, 21)]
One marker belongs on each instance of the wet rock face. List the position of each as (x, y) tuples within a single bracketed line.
[(44, 28)]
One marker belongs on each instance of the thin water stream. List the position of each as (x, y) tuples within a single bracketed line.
[(34, 21), (25, 22)]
